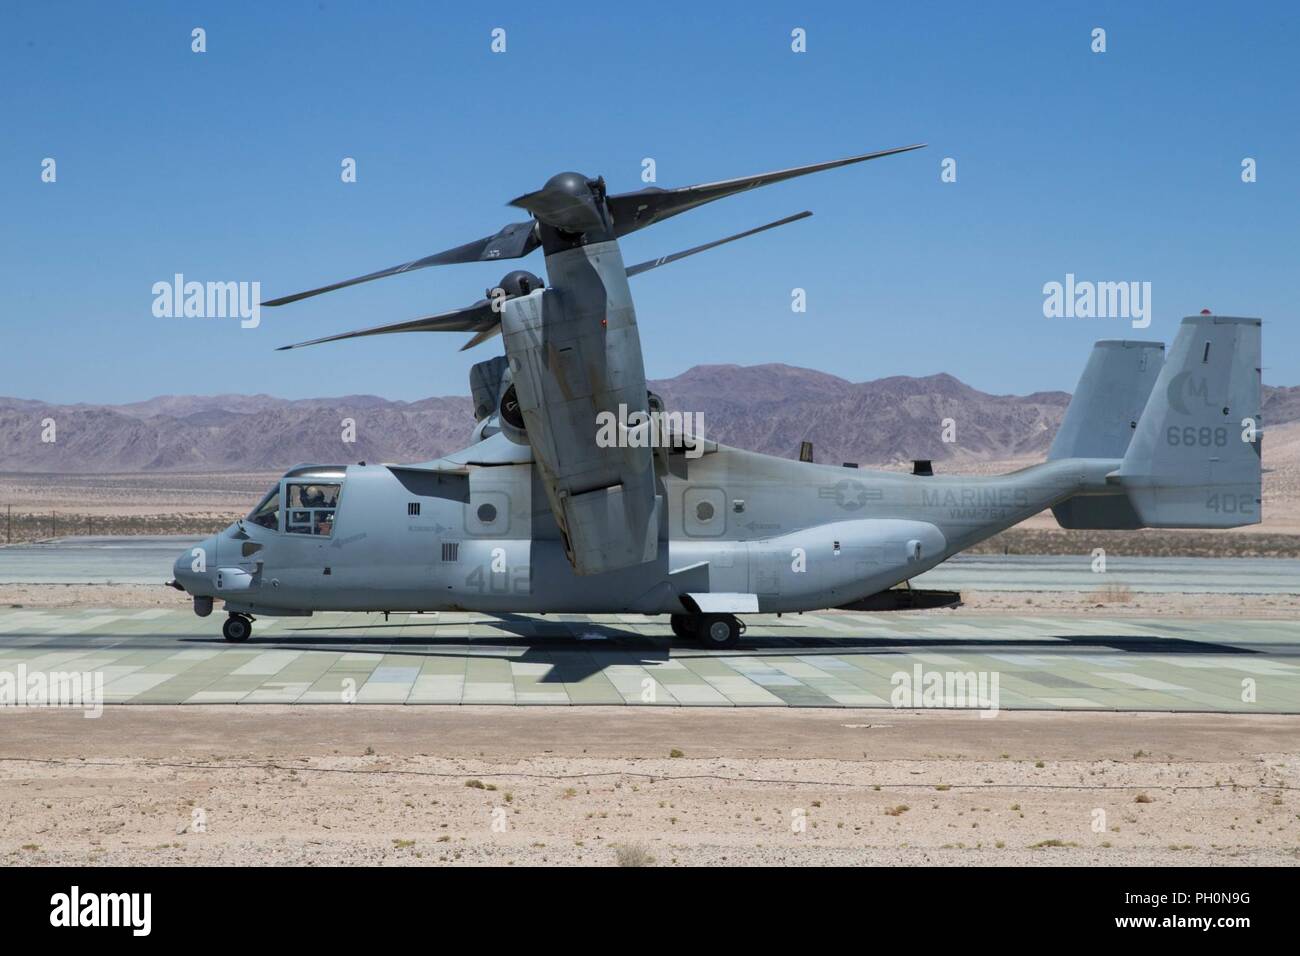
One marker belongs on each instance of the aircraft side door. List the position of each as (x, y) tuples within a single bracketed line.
[(302, 553)]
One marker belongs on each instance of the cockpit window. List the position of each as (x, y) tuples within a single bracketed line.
[(311, 507), (267, 514)]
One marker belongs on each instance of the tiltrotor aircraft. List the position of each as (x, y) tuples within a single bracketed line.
[(569, 501)]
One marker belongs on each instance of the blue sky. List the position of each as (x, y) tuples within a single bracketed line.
[(225, 165)]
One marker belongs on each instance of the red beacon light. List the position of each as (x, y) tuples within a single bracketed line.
[(1206, 312)]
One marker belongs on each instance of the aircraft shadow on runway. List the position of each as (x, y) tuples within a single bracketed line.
[(578, 649)]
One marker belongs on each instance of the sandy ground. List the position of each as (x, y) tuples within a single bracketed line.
[(93, 595), (1114, 603), (135, 494), (1120, 602), (35, 507), (518, 786)]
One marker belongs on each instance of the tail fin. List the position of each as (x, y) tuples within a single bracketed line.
[(1112, 392), (1194, 461), (1100, 421)]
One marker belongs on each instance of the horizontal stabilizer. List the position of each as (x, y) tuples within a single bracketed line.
[(1097, 513)]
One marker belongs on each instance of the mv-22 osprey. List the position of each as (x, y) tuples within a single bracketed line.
[(539, 514)]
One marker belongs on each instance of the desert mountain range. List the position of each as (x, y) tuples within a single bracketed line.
[(766, 408)]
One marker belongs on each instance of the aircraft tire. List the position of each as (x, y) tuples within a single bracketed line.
[(684, 626), (237, 628), (719, 630)]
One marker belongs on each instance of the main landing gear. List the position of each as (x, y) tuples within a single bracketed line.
[(711, 630), (238, 628)]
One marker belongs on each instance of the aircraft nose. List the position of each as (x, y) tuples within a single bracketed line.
[(191, 568), (181, 571)]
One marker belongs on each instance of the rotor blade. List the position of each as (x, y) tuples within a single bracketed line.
[(512, 242), (646, 266), (482, 336), (636, 210), (469, 319)]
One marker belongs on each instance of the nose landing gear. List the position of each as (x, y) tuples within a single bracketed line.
[(238, 628)]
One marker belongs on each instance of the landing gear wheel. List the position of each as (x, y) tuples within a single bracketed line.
[(237, 628), (720, 630), (684, 626)]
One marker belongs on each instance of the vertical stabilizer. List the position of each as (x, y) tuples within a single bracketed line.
[(1194, 461), (1113, 390), (1100, 422)]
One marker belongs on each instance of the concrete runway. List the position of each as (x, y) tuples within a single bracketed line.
[(832, 659), (93, 560), (148, 560)]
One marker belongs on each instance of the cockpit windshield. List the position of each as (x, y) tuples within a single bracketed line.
[(267, 514), (304, 502)]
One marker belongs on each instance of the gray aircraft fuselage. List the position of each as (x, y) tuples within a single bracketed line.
[(456, 535), (548, 511)]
